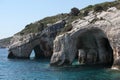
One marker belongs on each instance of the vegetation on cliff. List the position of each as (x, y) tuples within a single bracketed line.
[(76, 13), (41, 24), (5, 42)]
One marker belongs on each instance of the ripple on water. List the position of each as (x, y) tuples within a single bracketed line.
[(15, 69), (2, 77)]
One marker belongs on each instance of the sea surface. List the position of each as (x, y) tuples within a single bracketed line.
[(16, 69)]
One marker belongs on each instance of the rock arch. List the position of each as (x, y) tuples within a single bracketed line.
[(96, 47), (41, 50), (39, 53), (41, 42), (90, 44)]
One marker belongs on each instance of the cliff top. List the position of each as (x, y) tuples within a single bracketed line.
[(69, 17)]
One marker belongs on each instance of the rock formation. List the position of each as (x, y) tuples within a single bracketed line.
[(41, 43), (95, 39), (91, 44)]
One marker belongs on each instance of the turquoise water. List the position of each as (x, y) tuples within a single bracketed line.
[(15, 69)]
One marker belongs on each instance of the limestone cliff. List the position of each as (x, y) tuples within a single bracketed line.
[(95, 39), (42, 42), (92, 35)]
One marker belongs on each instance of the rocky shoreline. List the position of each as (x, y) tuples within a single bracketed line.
[(93, 39), (4, 43), (110, 28)]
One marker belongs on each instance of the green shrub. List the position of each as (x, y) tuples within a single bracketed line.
[(85, 13), (74, 11), (73, 15), (88, 8), (67, 28), (98, 8), (41, 24)]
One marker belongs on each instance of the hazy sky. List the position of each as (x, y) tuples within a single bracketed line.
[(15, 14)]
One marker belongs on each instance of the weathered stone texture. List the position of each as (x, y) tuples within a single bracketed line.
[(108, 23), (95, 39), (41, 43)]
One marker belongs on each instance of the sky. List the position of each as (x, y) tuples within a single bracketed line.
[(16, 14)]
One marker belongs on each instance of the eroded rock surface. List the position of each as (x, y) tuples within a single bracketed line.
[(95, 39), (41, 43), (90, 44), (98, 36)]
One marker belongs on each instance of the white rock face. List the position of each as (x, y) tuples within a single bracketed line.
[(90, 48), (42, 42), (107, 21), (91, 45)]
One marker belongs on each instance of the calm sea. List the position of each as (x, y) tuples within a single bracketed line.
[(16, 69)]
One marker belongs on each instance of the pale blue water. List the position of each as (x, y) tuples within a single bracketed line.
[(16, 69)]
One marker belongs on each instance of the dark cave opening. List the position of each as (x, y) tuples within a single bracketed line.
[(94, 48), (37, 52), (107, 47), (11, 55)]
